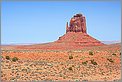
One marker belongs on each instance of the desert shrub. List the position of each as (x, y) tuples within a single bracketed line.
[(114, 54), (70, 68), (14, 59), (110, 60), (93, 62), (1, 56), (85, 63), (7, 57), (64, 77), (82, 57), (90, 53), (70, 57), (73, 66), (25, 70), (12, 78), (84, 80), (120, 53)]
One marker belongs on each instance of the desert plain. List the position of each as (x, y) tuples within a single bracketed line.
[(100, 63)]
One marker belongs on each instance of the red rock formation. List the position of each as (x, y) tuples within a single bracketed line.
[(76, 33), (77, 24)]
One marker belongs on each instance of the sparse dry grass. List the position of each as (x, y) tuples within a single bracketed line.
[(59, 65)]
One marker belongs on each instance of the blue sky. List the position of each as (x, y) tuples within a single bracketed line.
[(41, 22)]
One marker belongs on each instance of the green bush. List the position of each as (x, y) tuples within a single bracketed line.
[(1, 56), (93, 62), (70, 57), (90, 53), (7, 57), (14, 59), (85, 63)]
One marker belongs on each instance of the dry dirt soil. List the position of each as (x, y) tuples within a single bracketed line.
[(101, 63)]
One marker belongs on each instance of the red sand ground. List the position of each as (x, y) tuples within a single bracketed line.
[(55, 65)]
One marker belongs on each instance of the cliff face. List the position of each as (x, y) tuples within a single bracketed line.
[(77, 24)]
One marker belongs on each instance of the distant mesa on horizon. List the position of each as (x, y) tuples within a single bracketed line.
[(111, 42), (105, 42)]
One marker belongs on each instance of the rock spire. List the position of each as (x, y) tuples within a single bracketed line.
[(77, 24)]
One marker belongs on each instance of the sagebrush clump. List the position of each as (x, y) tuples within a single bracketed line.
[(14, 59), (90, 53), (93, 62), (85, 63), (70, 68), (7, 57), (70, 57)]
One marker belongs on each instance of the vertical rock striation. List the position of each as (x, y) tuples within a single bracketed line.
[(77, 24)]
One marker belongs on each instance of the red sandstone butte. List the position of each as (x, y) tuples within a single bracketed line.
[(76, 33), (76, 37)]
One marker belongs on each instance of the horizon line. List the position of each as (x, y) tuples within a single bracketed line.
[(104, 41)]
